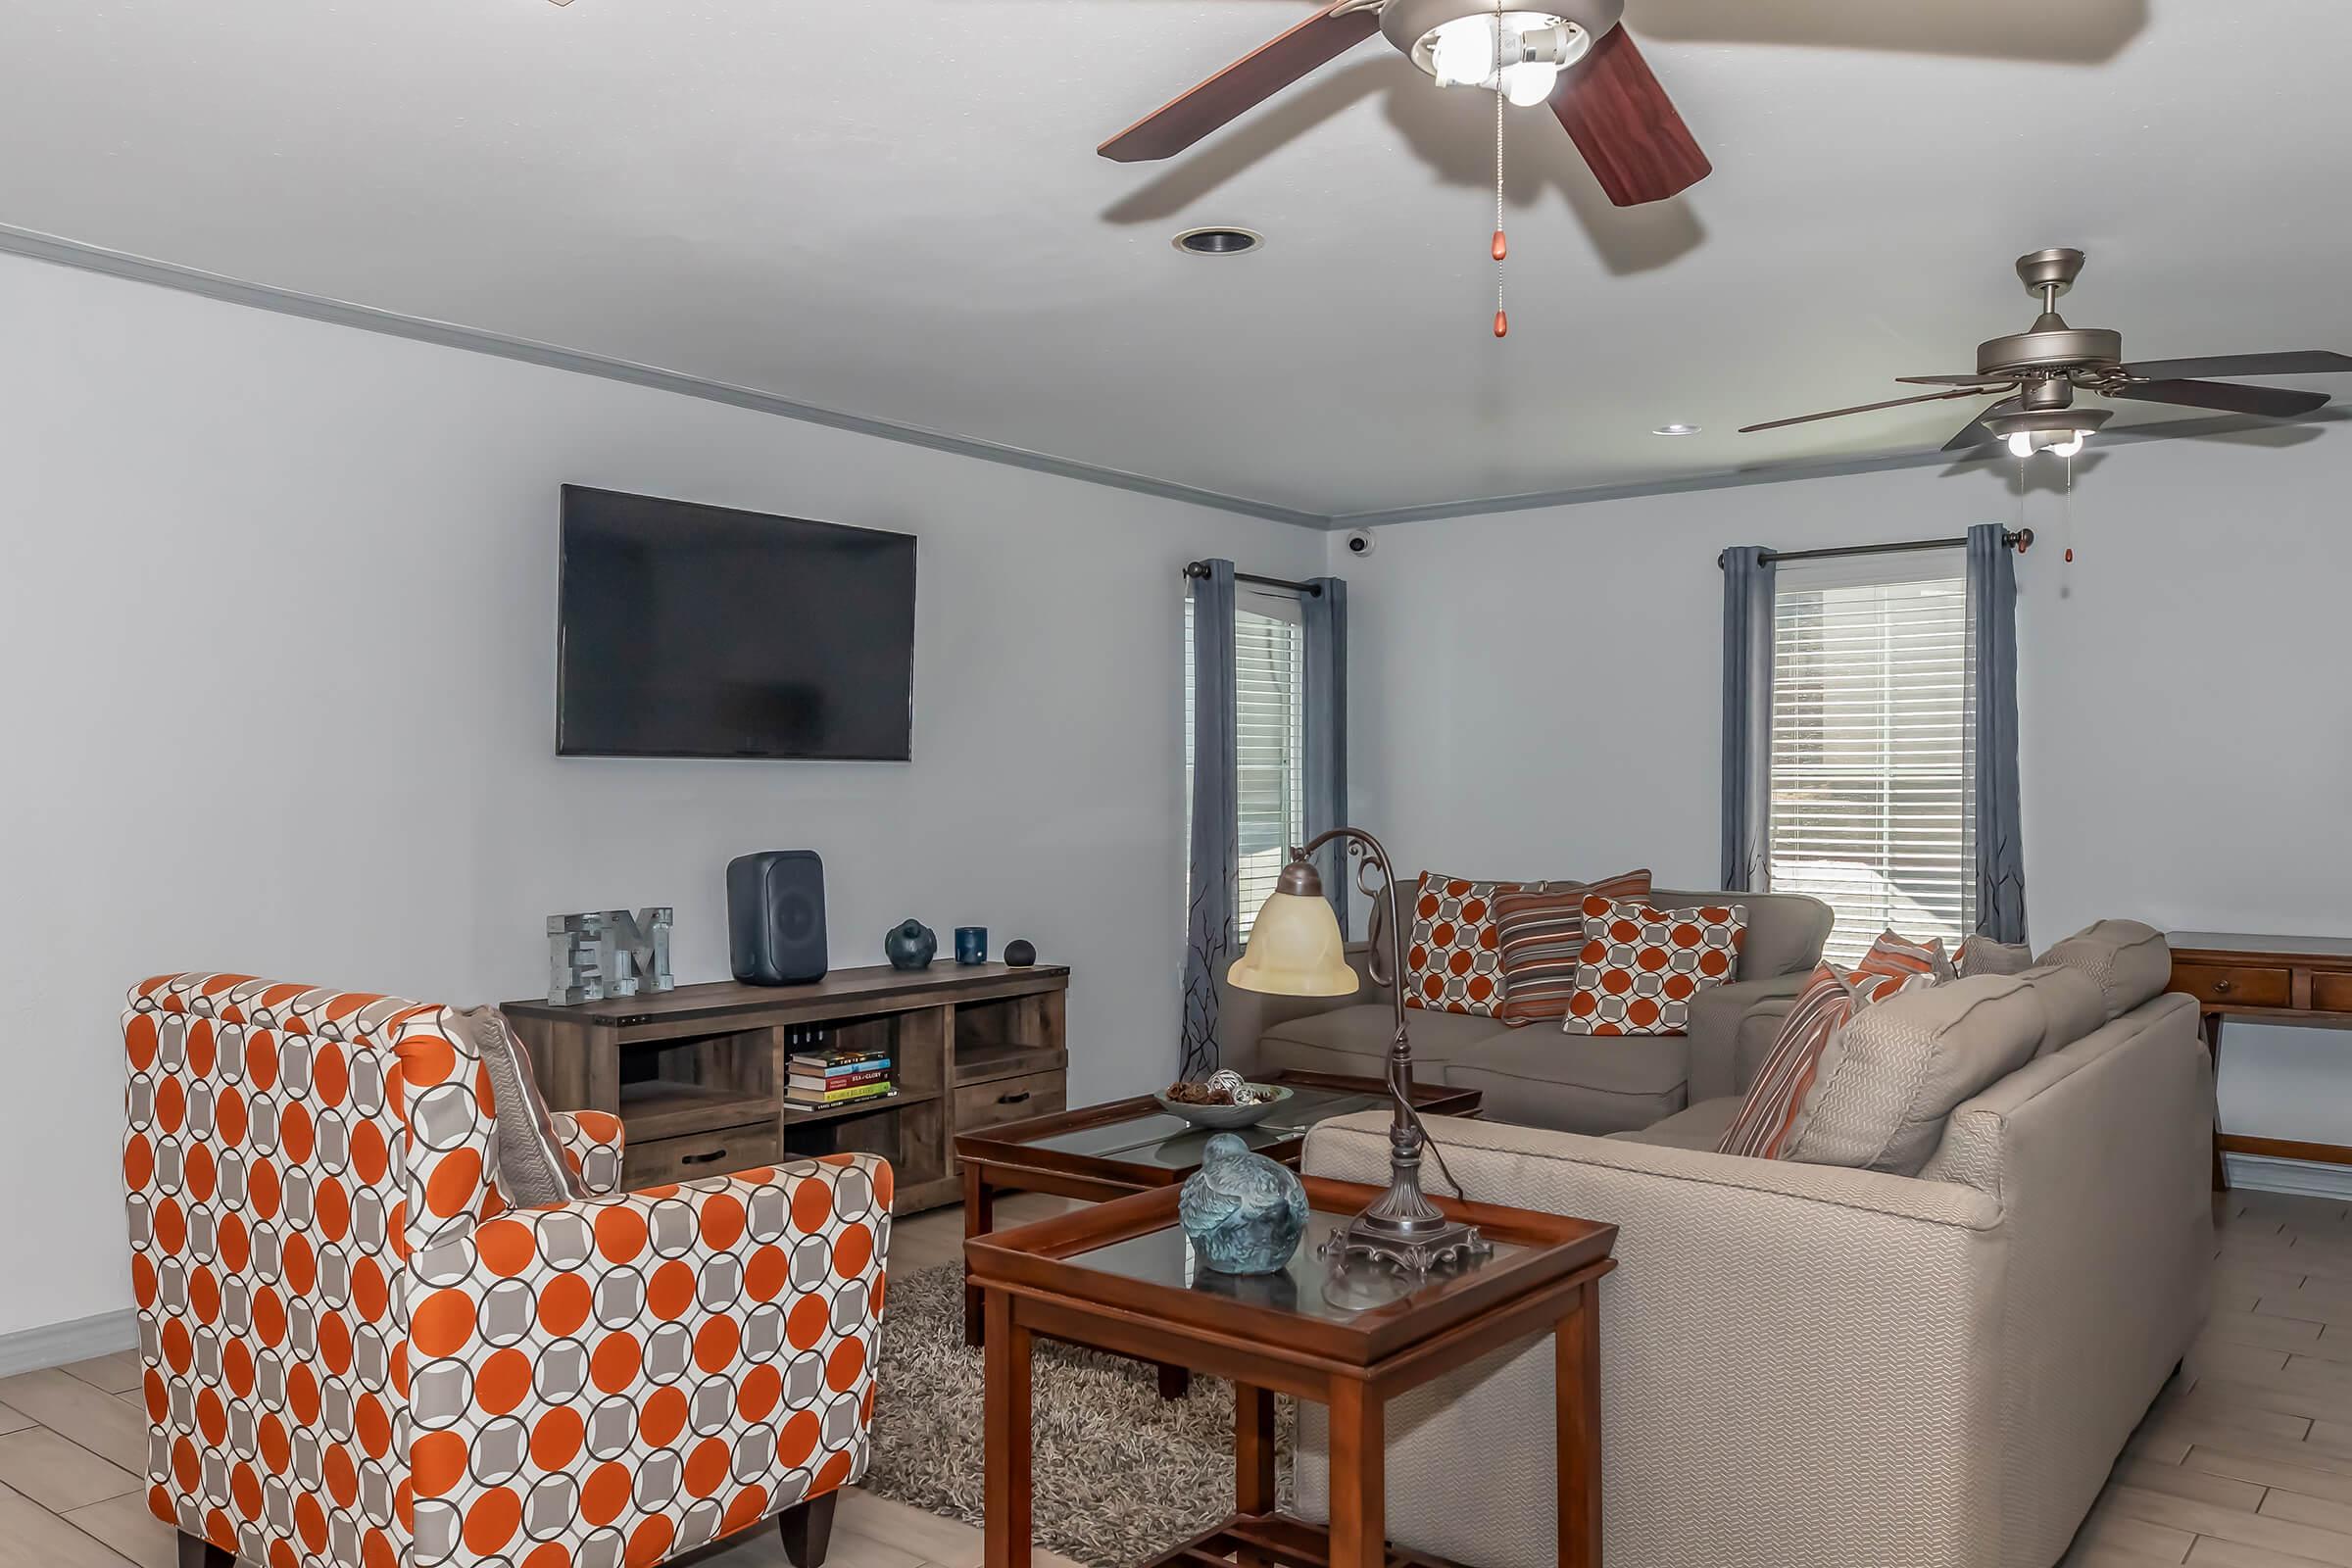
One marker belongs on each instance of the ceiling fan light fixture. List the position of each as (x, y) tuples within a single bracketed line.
[(1533, 48), (2061, 432)]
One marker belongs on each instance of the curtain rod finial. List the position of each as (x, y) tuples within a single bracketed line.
[(2023, 538)]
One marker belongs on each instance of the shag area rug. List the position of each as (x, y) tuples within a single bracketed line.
[(1120, 1473)]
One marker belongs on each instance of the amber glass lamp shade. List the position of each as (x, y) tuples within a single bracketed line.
[(1296, 949)]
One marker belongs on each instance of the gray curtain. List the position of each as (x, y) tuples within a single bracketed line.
[(1217, 850), (1992, 658), (1326, 720), (1747, 715)]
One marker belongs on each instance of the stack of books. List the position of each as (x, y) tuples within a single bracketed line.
[(824, 1074)]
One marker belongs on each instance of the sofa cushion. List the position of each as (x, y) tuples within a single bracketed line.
[(1452, 959), (1355, 1039), (1642, 964), (1983, 955), (1889, 1077), (2072, 1004), (1575, 1083), (1540, 933), (2131, 962), (1700, 1126)]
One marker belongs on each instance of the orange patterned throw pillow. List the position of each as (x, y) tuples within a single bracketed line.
[(1541, 936), (1641, 966), (1452, 959)]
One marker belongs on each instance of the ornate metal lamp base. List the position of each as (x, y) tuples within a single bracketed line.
[(1414, 1250)]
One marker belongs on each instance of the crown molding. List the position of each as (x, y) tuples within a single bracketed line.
[(41, 247), (62, 252)]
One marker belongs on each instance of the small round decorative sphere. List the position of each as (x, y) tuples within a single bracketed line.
[(1020, 952)]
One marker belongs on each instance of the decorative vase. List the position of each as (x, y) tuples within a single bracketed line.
[(1244, 1212), (1020, 952), (971, 944), (910, 945)]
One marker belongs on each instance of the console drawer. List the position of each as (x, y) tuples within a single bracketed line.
[(697, 1155), (2233, 984), (2330, 991), (1008, 1100)]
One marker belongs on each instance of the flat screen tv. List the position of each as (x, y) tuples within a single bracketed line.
[(697, 631)]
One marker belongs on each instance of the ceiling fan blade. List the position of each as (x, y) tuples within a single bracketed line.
[(1952, 381), (2270, 401), (2293, 361), (1626, 127), (1867, 408), (1243, 85), (1977, 432)]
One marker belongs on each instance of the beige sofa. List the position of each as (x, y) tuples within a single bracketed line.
[(1806, 1366), (1575, 1083)]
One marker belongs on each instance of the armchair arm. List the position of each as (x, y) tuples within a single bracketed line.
[(591, 1142), (635, 1374), (1721, 1024)]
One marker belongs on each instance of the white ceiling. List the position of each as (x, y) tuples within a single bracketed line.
[(895, 210)]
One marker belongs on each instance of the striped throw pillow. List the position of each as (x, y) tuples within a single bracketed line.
[(1893, 960), (1829, 1001), (1540, 933)]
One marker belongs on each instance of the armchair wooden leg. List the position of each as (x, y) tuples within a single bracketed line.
[(808, 1528), (197, 1552)]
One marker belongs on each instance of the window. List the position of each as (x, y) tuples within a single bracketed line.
[(1872, 806), (1270, 793)]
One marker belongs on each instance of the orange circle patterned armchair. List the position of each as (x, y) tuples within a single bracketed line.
[(359, 1353)]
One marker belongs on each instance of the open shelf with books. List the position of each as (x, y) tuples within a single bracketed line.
[(712, 1078)]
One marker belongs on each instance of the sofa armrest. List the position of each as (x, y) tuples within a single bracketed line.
[(1799, 1363), (1244, 1015), (1719, 1017), (592, 1142)]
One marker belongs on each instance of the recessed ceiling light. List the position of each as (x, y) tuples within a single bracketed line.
[(1219, 241), (1676, 429)]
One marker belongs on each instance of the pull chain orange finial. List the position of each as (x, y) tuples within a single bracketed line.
[(1503, 247), (1502, 325)]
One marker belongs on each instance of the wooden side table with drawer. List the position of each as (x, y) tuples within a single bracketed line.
[(2287, 980)]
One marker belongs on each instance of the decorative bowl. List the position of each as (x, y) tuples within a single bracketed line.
[(1224, 1118)]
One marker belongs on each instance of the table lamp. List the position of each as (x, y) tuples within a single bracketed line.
[(1296, 950)]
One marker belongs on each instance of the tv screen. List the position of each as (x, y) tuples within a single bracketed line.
[(697, 631)]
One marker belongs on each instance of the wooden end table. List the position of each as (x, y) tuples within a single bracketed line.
[(1133, 1146), (1122, 1277)]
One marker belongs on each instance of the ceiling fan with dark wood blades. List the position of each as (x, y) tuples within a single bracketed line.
[(2035, 374), (1571, 55)]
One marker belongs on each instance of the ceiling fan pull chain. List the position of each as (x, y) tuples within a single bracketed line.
[(1502, 248)]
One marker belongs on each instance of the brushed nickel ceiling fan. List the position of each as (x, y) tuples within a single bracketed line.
[(1571, 55), (2036, 374)]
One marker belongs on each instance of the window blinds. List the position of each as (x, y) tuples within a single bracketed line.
[(1871, 722), (1270, 791)]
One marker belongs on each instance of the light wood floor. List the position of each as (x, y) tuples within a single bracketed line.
[(2245, 1461)]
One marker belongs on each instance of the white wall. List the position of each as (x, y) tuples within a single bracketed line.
[(277, 615), (1536, 694)]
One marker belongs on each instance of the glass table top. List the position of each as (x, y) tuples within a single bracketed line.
[(1170, 1143), (1309, 1286)]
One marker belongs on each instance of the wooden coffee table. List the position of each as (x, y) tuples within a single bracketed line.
[(1103, 1152), (1122, 1277)]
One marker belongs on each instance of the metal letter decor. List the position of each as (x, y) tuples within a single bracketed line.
[(608, 954)]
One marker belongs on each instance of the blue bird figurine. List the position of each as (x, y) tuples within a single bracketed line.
[(1245, 1212)]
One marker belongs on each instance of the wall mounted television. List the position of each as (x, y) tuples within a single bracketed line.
[(687, 630)]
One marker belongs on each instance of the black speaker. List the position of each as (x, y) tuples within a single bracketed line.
[(776, 917)]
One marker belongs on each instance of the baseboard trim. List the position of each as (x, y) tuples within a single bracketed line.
[(76, 1340), (2306, 1178)]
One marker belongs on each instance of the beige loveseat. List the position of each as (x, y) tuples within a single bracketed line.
[(1808, 1366), (1575, 1083)]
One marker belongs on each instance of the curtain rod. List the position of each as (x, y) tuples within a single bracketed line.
[(2020, 540), (1199, 568)]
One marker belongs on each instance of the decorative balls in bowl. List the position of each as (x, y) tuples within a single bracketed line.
[(1223, 1100)]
